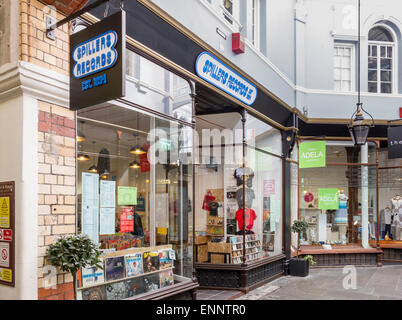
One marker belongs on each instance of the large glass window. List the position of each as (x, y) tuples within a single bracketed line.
[(232, 200), (153, 87), (339, 200), (381, 70), (390, 197), (135, 200)]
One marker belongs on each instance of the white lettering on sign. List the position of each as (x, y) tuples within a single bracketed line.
[(6, 235), (312, 155), (95, 55), (221, 76)]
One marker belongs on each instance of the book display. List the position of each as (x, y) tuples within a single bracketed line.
[(253, 248), (128, 273)]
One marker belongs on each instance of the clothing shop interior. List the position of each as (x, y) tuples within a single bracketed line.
[(390, 198), (221, 181), (135, 184), (339, 201)]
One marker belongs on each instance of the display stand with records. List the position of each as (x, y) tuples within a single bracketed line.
[(253, 248), (128, 273)]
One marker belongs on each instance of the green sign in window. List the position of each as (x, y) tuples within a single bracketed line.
[(328, 199), (312, 154), (127, 196)]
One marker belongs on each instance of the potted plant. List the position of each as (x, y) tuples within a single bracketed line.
[(310, 260), (299, 267), (72, 252)]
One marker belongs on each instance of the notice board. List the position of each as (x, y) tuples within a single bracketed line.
[(7, 233)]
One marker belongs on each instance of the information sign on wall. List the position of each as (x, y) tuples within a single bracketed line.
[(7, 232)]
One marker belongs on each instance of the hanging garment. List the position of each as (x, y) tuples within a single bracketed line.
[(250, 196), (207, 199), (249, 218), (248, 176)]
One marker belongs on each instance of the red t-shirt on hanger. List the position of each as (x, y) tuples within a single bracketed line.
[(249, 218)]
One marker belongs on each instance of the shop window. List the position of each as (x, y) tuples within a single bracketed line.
[(390, 197), (222, 183), (134, 199), (154, 87), (343, 62), (339, 201), (381, 53)]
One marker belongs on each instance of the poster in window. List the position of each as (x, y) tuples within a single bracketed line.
[(127, 219)]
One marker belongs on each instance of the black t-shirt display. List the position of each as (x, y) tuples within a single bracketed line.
[(248, 176), (250, 196), (213, 208)]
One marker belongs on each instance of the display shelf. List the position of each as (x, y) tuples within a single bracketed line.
[(124, 279), (236, 253)]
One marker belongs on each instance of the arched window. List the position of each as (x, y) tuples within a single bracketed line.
[(381, 53)]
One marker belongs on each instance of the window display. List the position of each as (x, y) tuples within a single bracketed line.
[(222, 191), (134, 201), (335, 199)]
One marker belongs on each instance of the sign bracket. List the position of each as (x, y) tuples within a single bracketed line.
[(51, 25)]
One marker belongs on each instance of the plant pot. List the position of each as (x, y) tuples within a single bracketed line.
[(299, 267)]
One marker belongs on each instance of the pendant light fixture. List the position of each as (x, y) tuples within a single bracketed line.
[(93, 168), (80, 135), (358, 126), (82, 157), (135, 165), (105, 175), (137, 150)]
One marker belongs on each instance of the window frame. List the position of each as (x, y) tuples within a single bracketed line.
[(394, 60), (253, 29), (352, 65)]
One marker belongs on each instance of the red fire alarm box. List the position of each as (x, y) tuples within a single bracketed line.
[(237, 43), (400, 112)]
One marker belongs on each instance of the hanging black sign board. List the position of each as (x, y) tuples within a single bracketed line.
[(394, 142), (97, 62)]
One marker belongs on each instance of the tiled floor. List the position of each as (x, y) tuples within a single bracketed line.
[(371, 283), (218, 294)]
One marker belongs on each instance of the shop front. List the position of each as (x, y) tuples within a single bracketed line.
[(238, 202), (390, 203), (337, 197), (135, 187), (196, 155)]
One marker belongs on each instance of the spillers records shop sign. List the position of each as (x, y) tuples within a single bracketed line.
[(221, 76), (97, 65), (394, 142)]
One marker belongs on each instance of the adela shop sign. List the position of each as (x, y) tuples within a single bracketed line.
[(328, 199), (312, 154)]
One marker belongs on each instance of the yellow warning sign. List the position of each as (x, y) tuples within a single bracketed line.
[(6, 275), (5, 212)]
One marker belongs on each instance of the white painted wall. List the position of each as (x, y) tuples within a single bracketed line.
[(18, 162)]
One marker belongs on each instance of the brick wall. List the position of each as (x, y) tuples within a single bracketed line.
[(35, 47), (56, 199)]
